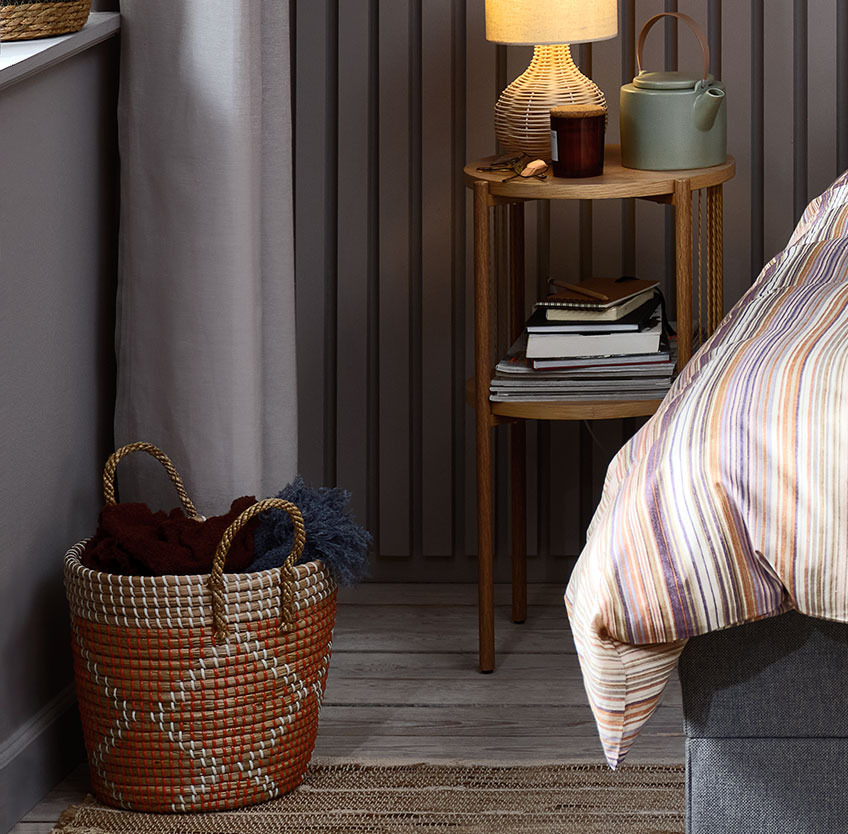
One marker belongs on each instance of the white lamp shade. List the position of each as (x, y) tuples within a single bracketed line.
[(535, 22)]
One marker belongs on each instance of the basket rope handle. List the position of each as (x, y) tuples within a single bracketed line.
[(176, 480), (216, 578), (693, 25)]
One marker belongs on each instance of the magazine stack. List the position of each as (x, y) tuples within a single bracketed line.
[(603, 339)]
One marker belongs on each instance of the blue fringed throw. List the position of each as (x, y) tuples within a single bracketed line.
[(332, 534)]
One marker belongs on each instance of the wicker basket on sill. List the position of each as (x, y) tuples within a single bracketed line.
[(22, 20)]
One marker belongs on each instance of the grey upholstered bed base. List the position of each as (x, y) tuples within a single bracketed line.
[(766, 721)]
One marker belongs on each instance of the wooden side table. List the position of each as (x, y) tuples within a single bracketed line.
[(489, 189)]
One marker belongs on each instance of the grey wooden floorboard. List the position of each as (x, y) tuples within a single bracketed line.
[(489, 749), (425, 628), (404, 687), (445, 593), (430, 678), (504, 721)]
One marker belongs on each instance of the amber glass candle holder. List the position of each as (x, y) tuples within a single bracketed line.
[(577, 140)]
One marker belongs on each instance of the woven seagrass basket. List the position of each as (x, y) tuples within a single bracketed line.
[(22, 20), (200, 693)]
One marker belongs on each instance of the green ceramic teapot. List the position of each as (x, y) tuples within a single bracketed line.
[(673, 120)]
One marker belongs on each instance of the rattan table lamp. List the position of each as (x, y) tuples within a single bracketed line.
[(522, 114)]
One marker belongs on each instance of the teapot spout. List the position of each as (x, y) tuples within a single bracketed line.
[(706, 107)]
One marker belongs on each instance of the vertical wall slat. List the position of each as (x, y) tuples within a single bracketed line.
[(309, 126), (628, 70), (714, 39), (822, 73), (293, 85), (670, 36), (458, 246), (500, 77), (779, 125), (372, 474), (543, 429), (586, 226), (395, 268), (714, 36), (436, 290), (670, 52), (757, 136), (841, 87), (415, 240), (331, 228), (352, 254), (799, 108), (585, 267), (736, 68)]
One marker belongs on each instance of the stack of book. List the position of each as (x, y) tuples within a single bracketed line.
[(599, 340)]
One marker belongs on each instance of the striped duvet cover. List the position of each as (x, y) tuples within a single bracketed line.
[(731, 503)]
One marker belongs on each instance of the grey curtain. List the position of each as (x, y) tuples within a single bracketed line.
[(205, 340)]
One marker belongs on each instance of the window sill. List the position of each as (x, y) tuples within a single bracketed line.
[(22, 59)]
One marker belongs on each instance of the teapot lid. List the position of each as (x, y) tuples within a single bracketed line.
[(670, 80)]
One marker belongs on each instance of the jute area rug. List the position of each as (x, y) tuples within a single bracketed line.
[(344, 799)]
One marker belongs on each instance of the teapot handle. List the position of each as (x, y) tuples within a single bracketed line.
[(699, 33)]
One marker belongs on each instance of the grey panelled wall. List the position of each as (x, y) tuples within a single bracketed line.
[(392, 98), (58, 265)]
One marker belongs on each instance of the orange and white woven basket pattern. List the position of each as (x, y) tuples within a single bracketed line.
[(199, 700)]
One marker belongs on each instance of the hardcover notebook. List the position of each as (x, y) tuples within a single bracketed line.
[(614, 313), (615, 290), (562, 345), (539, 322), (516, 363)]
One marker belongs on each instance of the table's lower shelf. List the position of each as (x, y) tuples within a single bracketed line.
[(576, 409), (567, 409)]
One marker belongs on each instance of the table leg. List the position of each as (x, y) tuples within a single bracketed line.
[(482, 370), (518, 461), (683, 260), (518, 433)]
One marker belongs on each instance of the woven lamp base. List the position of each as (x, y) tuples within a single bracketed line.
[(23, 20), (522, 114)]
